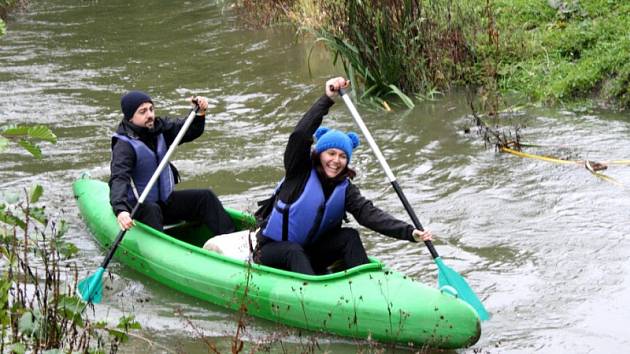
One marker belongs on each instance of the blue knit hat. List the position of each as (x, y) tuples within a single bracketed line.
[(130, 102), (331, 138)]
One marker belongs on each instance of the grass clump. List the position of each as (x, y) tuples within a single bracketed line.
[(560, 51), (398, 47), (553, 51)]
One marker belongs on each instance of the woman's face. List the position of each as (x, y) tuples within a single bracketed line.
[(333, 161)]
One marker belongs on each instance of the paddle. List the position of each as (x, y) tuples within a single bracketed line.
[(447, 277), (91, 288)]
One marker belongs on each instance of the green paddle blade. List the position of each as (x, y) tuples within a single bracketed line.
[(447, 277), (91, 288)]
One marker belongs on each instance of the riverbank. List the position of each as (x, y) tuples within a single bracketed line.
[(559, 51), (555, 51), (5, 7)]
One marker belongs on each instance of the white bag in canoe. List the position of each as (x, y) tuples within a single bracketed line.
[(234, 245)]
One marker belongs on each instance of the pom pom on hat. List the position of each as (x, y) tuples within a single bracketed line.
[(321, 131), (354, 138), (330, 138)]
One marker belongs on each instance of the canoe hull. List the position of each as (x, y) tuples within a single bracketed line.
[(369, 301)]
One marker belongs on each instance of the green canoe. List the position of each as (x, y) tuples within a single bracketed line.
[(369, 301)]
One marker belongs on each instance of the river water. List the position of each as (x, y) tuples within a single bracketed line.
[(545, 245)]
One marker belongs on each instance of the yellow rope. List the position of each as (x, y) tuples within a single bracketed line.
[(617, 162), (590, 169), (538, 157), (584, 163), (608, 179), (560, 161)]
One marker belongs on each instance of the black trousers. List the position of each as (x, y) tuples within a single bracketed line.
[(340, 244), (200, 205)]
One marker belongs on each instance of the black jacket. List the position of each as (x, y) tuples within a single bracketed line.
[(124, 157), (298, 165)]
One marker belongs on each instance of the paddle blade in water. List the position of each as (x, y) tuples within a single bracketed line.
[(91, 288), (449, 277)]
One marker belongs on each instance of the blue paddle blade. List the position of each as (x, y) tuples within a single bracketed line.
[(91, 288), (447, 277)]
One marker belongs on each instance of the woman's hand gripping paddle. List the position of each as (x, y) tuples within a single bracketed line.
[(448, 279), (91, 288)]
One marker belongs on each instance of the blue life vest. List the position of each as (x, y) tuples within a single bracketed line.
[(147, 162), (304, 220)]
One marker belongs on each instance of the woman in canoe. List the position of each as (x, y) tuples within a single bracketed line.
[(300, 225)]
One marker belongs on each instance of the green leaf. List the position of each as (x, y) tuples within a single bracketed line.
[(38, 132), (61, 228), (42, 132), (369, 92), (26, 134), (39, 214), (38, 323), (30, 147), (4, 238), (8, 218), (128, 322), (68, 250), (10, 197), (4, 142), (53, 351), (36, 193), (70, 301), (26, 324), (71, 308), (15, 131), (406, 100), (100, 325), (120, 335), (17, 348), (5, 314)]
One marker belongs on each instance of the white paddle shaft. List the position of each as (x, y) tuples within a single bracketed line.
[(368, 137)]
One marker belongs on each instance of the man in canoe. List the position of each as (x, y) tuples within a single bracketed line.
[(300, 225), (140, 142)]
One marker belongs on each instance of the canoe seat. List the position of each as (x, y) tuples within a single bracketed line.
[(234, 245)]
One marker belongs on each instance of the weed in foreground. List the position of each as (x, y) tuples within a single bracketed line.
[(39, 310)]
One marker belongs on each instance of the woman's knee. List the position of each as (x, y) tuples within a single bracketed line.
[(209, 196), (285, 255), (279, 252)]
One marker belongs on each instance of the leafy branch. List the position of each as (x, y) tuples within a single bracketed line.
[(27, 137)]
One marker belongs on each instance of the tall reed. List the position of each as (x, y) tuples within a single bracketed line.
[(400, 47)]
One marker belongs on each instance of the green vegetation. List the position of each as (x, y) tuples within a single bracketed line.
[(39, 311), (5, 7), (391, 47), (26, 137), (558, 51), (552, 51)]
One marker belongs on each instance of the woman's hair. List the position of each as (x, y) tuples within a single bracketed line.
[(347, 171)]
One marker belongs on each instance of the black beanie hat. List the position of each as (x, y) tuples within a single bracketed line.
[(131, 101)]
